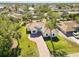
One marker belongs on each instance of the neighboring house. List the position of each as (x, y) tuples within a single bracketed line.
[(31, 10), (73, 12), (67, 27), (1, 8), (12, 8), (15, 15), (36, 28), (20, 10)]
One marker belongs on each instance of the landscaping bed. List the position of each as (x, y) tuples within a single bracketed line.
[(28, 48), (62, 47)]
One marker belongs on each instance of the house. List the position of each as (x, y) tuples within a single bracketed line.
[(31, 10), (53, 33), (39, 28), (34, 31), (1, 7), (12, 8), (34, 26), (20, 10), (15, 15), (67, 27), (45, 32)]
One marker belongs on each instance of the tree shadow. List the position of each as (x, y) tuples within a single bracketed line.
[(60, 53), (16, 52), (46, 38), (54, 39)]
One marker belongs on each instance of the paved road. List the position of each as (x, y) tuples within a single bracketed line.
[(43, 50)]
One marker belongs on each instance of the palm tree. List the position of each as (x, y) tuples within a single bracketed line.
[(52, 25)]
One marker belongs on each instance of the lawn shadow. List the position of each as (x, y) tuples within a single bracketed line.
[(16, 52), (27, 32)]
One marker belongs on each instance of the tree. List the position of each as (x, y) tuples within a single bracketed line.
[(5, 47), (8, 30), (51, 23), (52, 16), (72, 16), (77, 18)]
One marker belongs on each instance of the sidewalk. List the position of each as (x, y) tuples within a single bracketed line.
[(73, 55)]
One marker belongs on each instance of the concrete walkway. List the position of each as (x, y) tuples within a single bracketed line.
[(43, 50), (74, 39)]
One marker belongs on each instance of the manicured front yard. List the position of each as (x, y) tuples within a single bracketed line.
[(28, 48), (62, 44)]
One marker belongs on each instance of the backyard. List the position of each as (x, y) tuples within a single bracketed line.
[(28, 48), (62, 46)]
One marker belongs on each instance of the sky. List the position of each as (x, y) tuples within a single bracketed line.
[(41, 1)]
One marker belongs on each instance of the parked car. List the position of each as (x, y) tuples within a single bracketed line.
[(76, 34)]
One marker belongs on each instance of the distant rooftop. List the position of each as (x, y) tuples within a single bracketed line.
[(31, 8)]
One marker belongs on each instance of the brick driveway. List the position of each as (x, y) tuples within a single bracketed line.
[(42, 48)]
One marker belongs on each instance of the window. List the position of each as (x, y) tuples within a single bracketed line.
[(46, 34), (33, 31), (53, 34)]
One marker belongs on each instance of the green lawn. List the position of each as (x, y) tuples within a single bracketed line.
[(65, 45), (28, 48)]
